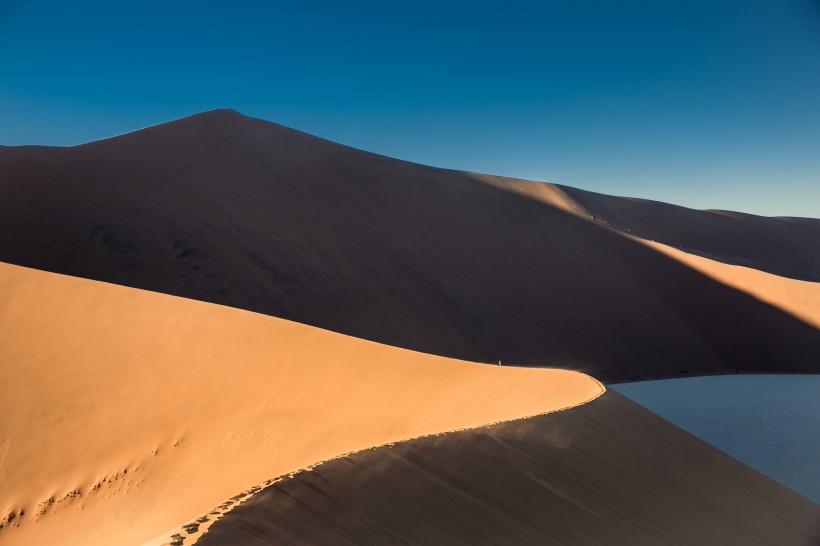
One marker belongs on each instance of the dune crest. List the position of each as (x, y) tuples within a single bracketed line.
[(130, 412), (609, 472)]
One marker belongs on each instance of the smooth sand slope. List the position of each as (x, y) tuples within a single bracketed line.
[(224, 208), (125, 413), (798, 298), (605, 473), (784, 246)]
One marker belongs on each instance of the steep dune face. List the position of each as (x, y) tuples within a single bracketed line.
[(227, 209), (124, 413), (608, 472)]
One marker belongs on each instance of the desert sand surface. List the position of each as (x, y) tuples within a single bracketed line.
[(125, 413), (798, 298), (228, 209), (784, 246), (608, 472)]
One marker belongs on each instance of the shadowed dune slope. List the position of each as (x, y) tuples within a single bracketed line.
[(784, 246), (608, 472), (228, 209), (798, 298), (124, 413)]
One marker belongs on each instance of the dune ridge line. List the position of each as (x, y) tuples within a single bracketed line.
[(200, 525), (132, 411)]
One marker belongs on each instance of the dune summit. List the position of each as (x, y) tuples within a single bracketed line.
[(124, 413), (237, 211)]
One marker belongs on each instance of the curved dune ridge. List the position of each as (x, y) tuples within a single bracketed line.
[(605, 473), (125, 412)]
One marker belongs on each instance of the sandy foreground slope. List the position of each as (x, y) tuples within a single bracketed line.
[(605, 473), (124, 413), (224, 208)]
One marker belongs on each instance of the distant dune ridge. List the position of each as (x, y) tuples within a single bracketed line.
[(228, 209), (789, 247)]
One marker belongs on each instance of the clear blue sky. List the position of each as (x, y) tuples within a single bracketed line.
[(704, 103)]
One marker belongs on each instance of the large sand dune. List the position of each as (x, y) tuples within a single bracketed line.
[(228, 209), (605, 473), (124, 413)]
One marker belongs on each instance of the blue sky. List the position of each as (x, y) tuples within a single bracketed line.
[(708, 104)]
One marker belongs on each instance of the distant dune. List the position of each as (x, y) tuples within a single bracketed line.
[(798, 298), (124, 413), (605, 473), (227, 209), (789, 247)]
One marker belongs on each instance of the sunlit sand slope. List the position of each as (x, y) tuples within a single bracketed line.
[(124, 413), (605, 473), (799, 298), (784, 246), (789, 247), (224, 208)]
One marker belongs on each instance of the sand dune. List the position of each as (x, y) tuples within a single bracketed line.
[(608, 472), (223, 208), (124, 413), (798, 298), (788, 247)]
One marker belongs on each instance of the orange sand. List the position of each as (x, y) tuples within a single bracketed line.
[(124, 413)]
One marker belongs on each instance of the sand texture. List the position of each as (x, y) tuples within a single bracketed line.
[(801, 299), (784, 246), (605, 473), (125, 413), (227, 209)]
